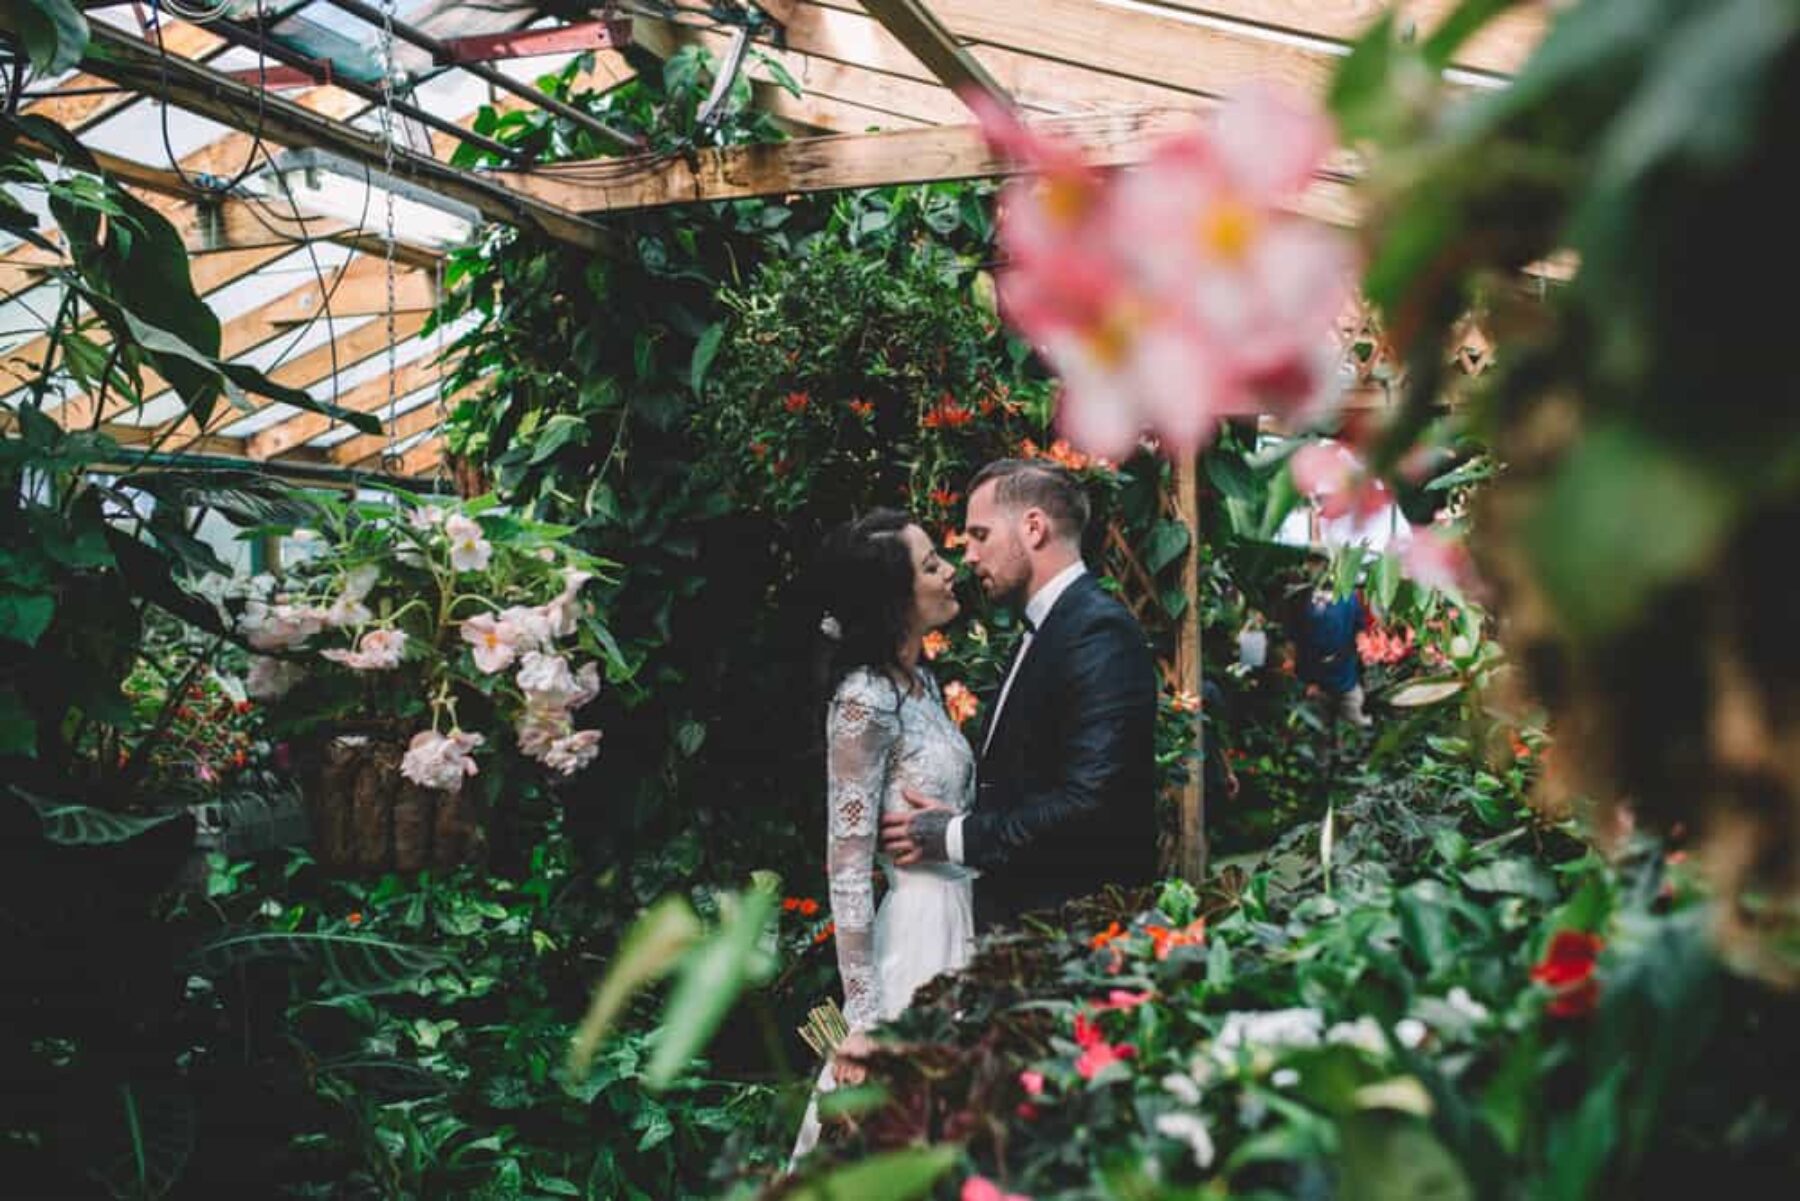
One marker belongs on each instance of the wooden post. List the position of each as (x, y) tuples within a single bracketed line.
[(1190, 859)]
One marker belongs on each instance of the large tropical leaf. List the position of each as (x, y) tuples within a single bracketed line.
[(242, 497), (54, 32), (894, 1176), (712, 976), (144, 1154), (351, 963), (83, 825), (650, 949)]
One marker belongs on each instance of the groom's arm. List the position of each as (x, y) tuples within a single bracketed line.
[(1110, 689)]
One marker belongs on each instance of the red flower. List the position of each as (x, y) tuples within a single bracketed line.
[(808, 907), (1568, 970), (948, 415), (1032, 1083), (945, 498), (783, 466), (862, 408), (355, 918), (760, 449), (796, 402), (789, 904), (825, 934)]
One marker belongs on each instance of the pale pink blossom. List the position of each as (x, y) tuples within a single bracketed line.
[(980, 1188), (538, 730), (271, 678), (1437, 559), (494, 642), (377, 650), (280, 626), (533, 624), (564, 612), (573, 752), (469, 551), (425, 517), (347, 608), (587, 684), (440, 761), (1332, 477), (546, 681)]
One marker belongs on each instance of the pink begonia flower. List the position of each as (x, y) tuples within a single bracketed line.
[(426, 517), (1120, 999), (573, 752), (564, 611), (587, 684), (1180, 293), (539, 729), (1437, 559), (1100, 1056), (1032, 1083), (348, 608), (494, 641), (280, 626), (377, 650), (440, 761), (533, 624), (980, 1188), (1331, 475), (271, 678), (546, 681), (469, 551)]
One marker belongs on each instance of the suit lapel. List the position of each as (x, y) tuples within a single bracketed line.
[(1047, 642)]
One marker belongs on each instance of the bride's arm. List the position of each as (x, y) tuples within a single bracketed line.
[(861, 732)]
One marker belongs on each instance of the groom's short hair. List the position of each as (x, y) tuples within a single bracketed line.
[(1035, 484)]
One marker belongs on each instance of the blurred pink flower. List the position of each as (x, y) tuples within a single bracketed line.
[(573, 752), (1437, 559), (1331, 475), (980, 1188), (377, 650), (493, 640)]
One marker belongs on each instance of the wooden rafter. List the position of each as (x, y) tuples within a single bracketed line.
[(914, 24), (368, 397), (865, 160)]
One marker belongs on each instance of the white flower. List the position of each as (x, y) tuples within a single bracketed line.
[(546, 681), (587, 684), (1364, 1034), (1182, 1088), (427, 517), (1190, 1129), (533, 625), (570, 754), (348, 609), (1459, 647), (378, 650), (546, 554), (469, 551), (1411, 1032), (1273, 1029), (539, 729), (440, 761), (1284, 1077), (563, 612), (495, 642), (278, 627), (1460, 1000), (271, 678)]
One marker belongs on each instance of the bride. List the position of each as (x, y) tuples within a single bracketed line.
[(887, 733)]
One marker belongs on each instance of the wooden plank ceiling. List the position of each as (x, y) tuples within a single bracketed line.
[(880, 83)]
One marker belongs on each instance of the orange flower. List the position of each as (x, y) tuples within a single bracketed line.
[(1106, 936), (945, 498), (1165, 940), (1186, 702), (355, 917), (862, 408), (948, 415), (823, 935), (760, 449), (789, 904), (955, 539), (808, 907), (936, 643), (796, 402), (1520, 748), (962, 703)]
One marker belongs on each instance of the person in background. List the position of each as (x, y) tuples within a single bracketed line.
[(1215, 714), (1325, 632)]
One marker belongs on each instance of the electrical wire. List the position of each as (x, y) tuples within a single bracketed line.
[(207, 183)]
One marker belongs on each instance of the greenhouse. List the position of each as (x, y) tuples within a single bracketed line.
[(1002, 600)]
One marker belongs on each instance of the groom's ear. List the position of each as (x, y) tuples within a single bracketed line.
[(1036, 524)]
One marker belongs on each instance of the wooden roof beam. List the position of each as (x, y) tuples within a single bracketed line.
[(932, 44), (368, 397)]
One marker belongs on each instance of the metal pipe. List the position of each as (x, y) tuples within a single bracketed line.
[(444, 56), (242, 35), (343, 476)]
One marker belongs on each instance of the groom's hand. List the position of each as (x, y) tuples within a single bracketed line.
[(917, 836)]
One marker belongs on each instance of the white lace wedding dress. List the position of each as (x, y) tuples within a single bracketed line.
[(882, 739)]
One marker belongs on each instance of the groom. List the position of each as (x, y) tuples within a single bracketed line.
[(1066, 785)]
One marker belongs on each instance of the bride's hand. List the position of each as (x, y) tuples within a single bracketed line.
[(847, 1067)]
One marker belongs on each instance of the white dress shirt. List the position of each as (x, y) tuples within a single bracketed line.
[(1036, 610)]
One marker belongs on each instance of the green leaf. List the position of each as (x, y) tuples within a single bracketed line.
[(1389, 1157), (893, 1176), (255, 382), (1360, 90), (1423, 692), (18, 728), (24, 616), (145, 1149), (653, 945), (1518, 877), (81, 825), (1424, 910), (705, 350), (711, 977), (1459, 27), (558, 432), (1166, 543), (54, 32), (353, 964)]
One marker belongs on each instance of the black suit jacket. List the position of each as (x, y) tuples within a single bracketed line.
[(1066, 793)]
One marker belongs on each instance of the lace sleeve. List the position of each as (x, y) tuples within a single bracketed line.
[(861, 731)]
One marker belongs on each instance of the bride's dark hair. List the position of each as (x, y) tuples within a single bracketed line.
[(865, 576)]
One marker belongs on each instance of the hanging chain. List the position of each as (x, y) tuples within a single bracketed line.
[(443, 403), (387, 167)]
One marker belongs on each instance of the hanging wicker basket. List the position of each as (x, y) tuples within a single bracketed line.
[(367, 818)]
